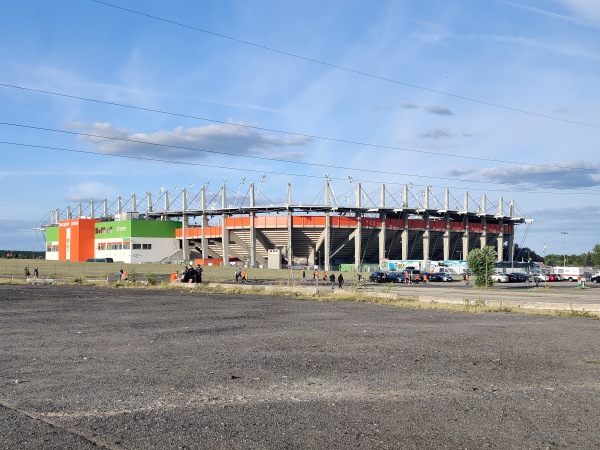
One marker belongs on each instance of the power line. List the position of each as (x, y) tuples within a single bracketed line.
[(347, 69), (246, 169), (291, 133)]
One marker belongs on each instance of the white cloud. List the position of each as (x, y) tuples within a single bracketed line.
[(439, 110), (437, 133), (587, 9), (575, 176), (91, 190), (187, 143)]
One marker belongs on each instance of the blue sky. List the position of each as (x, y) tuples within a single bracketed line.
[(490, 96)]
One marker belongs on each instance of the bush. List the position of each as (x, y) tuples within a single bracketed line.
[(482, 262)]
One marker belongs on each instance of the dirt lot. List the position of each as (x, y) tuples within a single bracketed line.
[(91, 367)]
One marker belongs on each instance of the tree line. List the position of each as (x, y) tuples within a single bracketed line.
[(589, 259)]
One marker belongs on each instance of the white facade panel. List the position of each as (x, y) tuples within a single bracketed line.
[(136, 250)]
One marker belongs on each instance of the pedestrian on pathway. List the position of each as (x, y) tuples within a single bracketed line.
[(332, 279), (467, 278), (340, 281)]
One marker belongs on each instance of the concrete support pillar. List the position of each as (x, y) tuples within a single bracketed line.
[(57, 215), (483, 236), (167, 205), (133, 203), (383, 231), (511, 245), (80, 210), (426, 240), (446, 237), (358, 233), (204, 224), (149, 207), (465, 240), (92, 209), (500, 242), (290, 226), (119, 205), (69, 213), (405, 237), (185, 250), (252, 228), (327, 240), (224, 230)]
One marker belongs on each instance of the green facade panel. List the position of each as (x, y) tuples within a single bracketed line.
[(136, 228), (51, 234)]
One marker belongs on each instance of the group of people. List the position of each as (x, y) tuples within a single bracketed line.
[(188, 275), (241, 275), (324, 277), (28, 273), (122, 276)]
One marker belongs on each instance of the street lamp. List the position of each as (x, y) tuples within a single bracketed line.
[(564, 233)]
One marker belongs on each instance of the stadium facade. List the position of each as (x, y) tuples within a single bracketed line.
[(259, 234)]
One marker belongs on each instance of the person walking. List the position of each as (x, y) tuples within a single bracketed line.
[(340, 281), (332, 279), (467, 278), (303, 275)]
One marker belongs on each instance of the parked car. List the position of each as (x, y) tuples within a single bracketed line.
[(516, 277), (595, 278), (500, 277), (378, 277), (439, 276), (396, 277)]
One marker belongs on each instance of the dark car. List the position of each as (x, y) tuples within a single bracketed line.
[(378, 277), (439, 276), (396, 277), (595, 278), (516, 277)]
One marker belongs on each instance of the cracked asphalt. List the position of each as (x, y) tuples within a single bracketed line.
[(98, 367)]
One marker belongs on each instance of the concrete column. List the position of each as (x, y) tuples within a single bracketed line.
[(69, 212), (204, 220), (511, 245), (252, 228), (224, 230), (500, 242), (133, 203), (105, 207), (446, 237), (358, 235), (405, 237), (483, 237), (184, 225), (327, 240), (426, 240), (465, 240), (383, 231), (290, 225), (92, 209), (80, 210)]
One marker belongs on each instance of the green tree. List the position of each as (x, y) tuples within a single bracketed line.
[(482, 263), (596, 255)]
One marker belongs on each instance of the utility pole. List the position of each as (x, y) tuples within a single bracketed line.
[(564, 233)]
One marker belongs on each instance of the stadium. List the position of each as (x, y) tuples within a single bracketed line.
[(225, 228)]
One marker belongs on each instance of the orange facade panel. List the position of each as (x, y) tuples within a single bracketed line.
[(76, 239), (493, 228), (457, 226), (196, 232), (237, 222), (416, 224), (344, 222), (308, 221), (270, 222)]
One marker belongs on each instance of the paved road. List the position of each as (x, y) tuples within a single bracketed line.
[(90, 367)]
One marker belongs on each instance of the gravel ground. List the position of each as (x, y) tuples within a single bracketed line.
[(91, 367)]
